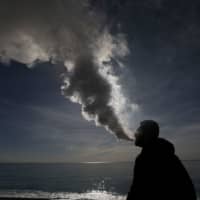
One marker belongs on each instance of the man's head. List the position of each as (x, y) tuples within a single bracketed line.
[(146, 133)]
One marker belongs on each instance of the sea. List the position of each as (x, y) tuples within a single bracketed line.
[(74, 181)]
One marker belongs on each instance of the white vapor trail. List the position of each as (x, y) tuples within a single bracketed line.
[(71, 33)]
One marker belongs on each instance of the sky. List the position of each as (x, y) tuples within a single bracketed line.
[(65, 67)]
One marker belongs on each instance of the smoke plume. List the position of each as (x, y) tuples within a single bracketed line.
[(71, 33)]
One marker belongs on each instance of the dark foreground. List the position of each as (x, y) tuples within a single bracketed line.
[(75, 181)]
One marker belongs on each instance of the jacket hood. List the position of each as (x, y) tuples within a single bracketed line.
[(160, 146)]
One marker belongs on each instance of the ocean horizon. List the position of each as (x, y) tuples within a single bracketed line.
[(74, 181)]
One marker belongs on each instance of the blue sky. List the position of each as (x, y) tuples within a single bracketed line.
[(38, 124)]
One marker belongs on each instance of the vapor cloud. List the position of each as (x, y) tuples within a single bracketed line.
[(71, 33)]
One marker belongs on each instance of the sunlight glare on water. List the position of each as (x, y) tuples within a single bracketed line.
[(90, 195)]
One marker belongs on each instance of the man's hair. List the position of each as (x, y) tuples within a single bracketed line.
[(151, 127)]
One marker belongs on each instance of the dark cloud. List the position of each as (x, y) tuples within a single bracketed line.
[(163, 23)]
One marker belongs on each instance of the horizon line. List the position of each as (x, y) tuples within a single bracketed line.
[(76, 162)]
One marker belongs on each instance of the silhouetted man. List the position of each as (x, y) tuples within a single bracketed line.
[(158, 173)]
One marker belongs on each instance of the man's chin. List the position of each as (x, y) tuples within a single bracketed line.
[(138, 143)]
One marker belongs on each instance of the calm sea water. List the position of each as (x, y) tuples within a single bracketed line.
[(90, 181)]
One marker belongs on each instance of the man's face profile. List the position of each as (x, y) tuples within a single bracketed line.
[(139, 137)]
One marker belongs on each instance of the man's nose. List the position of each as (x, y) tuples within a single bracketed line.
[(138, 132)]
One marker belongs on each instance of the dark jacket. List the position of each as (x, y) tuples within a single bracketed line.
[(159, 174)]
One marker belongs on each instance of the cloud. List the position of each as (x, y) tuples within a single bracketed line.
[(70, 32), (45, 30)]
